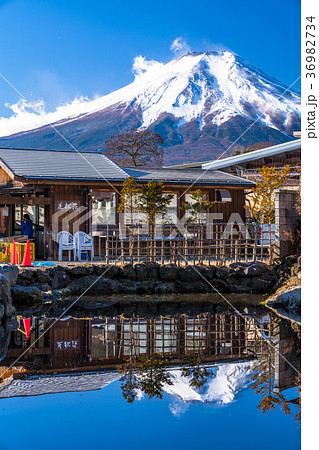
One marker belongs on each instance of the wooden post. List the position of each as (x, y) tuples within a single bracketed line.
[(236, 250), (255, 243), (246, 247), (162, 249), (138, 246)]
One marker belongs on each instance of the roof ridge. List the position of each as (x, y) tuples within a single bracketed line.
[(52, 150)]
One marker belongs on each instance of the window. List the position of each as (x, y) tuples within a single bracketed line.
[(103, 208), (199, 217), (222, 195), (171, 214)]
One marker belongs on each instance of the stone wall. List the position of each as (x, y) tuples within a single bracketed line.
[(62, 282), (8, 277)]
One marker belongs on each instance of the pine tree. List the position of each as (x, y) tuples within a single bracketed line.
[(198, 207), (153, 202)]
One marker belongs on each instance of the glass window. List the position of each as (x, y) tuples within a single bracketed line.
[(222, 195), (103, 208), (171, 215), (198, 217)]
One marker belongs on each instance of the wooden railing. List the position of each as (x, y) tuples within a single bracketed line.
[(217, 244)]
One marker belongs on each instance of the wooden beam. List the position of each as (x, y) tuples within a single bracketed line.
[(24, 201)]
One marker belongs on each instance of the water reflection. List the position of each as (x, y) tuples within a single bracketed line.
[(206, 358)]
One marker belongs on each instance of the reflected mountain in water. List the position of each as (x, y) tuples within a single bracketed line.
[(223, 384), (209, 358)]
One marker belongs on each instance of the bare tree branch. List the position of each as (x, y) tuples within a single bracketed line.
[(136, 148)]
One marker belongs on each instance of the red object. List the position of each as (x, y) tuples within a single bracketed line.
[(27, 325), (14, 256), (27, 257), (8, 250)]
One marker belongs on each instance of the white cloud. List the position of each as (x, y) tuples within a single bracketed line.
[(29, 115), (180, 46), (142, 66)]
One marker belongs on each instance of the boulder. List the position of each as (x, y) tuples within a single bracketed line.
[(168, 272), (127, 287), (289, 299), (129, 272), (79, 271), (99, 269), (5, 336), (195, 287), (10, 272), (145, 287), (239, 268), (42, 276), (220, 286), (63, 293), (59, 278), (93, 284), (26, 296), (189, 274), (260, 284), (165, 288), (112, 271), (224, 273), (256, 269), (147, 271), (43, 287), (2, 310), (5, 295), (208, 272)]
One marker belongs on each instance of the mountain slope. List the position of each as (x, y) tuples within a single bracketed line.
[(200, 103)]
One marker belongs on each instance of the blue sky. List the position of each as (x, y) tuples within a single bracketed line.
[(57, 50)]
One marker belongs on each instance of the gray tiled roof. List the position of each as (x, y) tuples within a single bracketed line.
[(51, 164), (56, 384), (93, 166), (187, 176)]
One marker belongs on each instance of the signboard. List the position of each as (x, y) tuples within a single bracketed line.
[(73, 344), (63, 205)]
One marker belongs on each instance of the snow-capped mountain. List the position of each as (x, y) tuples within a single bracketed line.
[(223, 385), (200, 103)]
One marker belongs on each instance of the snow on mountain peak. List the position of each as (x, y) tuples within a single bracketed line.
[(222, 387), (208, 86)]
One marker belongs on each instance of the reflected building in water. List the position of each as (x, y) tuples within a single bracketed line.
[(103, 343), (90, 350)]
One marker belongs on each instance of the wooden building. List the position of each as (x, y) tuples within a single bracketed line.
[(60, 188), (246, 164)]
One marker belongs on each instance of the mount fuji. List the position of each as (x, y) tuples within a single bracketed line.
[(200, 103)]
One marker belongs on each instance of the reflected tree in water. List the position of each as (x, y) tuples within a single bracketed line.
[(129, 382), (263, 384), (153, 375), (146, 374), (198, 372)]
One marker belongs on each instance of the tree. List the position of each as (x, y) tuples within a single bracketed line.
[(136, 148), (129, 206), (261, 201), (147, 374), (129, 198), (196, 371), (263, 384), (197, 207), (153, 375), (152, 201)]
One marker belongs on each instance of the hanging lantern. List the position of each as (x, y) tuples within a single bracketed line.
[(5, 211)]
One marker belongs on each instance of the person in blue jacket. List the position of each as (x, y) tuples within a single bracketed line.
[(27, 226)]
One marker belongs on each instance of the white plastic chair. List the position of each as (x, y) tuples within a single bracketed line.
[(66, 242), (83, 242)]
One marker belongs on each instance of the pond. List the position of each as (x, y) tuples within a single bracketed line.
[(215, 380)]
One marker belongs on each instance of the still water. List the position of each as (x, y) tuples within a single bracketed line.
[(219, 381)]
